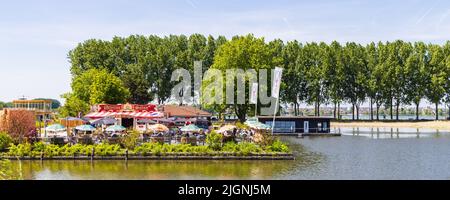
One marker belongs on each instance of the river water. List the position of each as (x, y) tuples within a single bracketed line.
[(361, 153)]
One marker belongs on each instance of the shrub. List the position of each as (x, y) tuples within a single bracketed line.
[(20, 150), (214, 141), (39, 146), (52, 150), (230, 147), (244, 148), (5, 141), (130, 141), (107, 149), (278, 146), (265, 138), (145, 148)]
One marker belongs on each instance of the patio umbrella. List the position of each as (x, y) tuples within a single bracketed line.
[(180, 121), (158, 128), (163, 120), (55, 128), (115, 128), (190, 128), (258, 125), (85, 128), (226, 128), (104, 121), (75, 119)]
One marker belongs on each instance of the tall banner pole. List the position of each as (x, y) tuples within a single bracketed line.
[(254, 97), (276, 92)]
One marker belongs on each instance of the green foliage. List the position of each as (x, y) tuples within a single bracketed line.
[(244, 148), (20, 150), (50, 150), (157, 148), (214, 141), (5, 141), (73, 106), (278, 146), (93, 87), (107, 149), (99, 86), (384, 73), (246, 53), (131, 140)]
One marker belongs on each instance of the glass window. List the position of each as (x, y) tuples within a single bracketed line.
[(283, 126)]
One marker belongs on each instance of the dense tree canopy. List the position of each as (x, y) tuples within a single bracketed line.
[(94, 87), (389, 74)]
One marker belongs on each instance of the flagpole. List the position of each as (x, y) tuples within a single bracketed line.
[(276, 92), (256, 109), (274, 114)]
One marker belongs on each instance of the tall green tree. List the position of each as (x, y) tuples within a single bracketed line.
[(294, 73), (243, 52), (355, 86), (437, 76), (334, 75), (99, 86), (415, 75), (310, 59), (373, 82), (446, 49)]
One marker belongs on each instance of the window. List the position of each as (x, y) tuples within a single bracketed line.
[(325, 126), (283, 126)]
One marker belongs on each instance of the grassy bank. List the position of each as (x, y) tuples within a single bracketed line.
[(439, 125)]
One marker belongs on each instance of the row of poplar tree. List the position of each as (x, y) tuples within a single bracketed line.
[(389, 74)]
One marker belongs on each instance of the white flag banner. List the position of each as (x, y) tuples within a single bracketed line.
[(254, 94), (276, 82)]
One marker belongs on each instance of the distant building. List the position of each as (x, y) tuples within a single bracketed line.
[(185, 112), (42, 108), (128, 115), (298, 124)]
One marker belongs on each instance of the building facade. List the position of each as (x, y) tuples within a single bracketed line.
[(298, 124), (42, 108)]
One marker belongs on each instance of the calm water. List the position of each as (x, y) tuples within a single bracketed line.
[(359, 154)]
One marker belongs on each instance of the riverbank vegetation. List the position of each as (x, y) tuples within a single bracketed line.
[(214, 146), (39, 149)]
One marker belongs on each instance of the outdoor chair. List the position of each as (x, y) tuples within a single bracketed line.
[(192, 141), (114, 140), (157, 139), (201, 139), (168, 139), (57, 141), (85, 140)]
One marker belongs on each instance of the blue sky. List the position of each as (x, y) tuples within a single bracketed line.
[(35, 36)]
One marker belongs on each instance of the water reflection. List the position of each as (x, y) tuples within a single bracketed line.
[(391, 133), (360, 153), (167, 169)]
